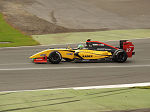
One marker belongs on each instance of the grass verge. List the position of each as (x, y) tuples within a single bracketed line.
[(63, 38), (10, 37), (75, 100)]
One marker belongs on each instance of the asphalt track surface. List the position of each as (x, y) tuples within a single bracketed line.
[(17, 72)]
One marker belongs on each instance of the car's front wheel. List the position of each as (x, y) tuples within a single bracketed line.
[(55, 57)]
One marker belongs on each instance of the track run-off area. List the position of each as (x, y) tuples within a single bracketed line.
[(17, 72)]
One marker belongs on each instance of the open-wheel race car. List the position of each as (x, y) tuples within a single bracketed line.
[(93, 50)]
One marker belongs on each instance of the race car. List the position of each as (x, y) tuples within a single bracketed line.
[(92, 50)]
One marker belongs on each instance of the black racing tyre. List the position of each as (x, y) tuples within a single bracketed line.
[(120, 56), (55, 57)]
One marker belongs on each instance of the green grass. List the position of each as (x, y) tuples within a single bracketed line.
[(75, 100), (15, 37), (63, 38)]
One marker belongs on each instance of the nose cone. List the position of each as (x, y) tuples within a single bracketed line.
[(33, 56), (40, 54), (37, 55)]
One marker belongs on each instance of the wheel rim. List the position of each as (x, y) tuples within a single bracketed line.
[(121, 57), (55, 57)]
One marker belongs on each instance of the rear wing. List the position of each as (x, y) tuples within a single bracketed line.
[(128, 47)]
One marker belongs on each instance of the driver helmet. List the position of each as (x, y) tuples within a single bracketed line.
[(80, 46)]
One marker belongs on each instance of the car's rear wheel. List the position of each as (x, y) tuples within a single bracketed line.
[(55, 57), (120, 56)]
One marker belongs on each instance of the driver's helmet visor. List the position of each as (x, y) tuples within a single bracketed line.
[(80, 46)]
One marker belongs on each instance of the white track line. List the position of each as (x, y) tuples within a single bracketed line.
[(115, 86), (73, 67), (89, 87)]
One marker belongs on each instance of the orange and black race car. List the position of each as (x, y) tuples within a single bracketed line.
[(92, 51)]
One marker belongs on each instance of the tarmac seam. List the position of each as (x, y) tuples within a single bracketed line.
[(73, 67)]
